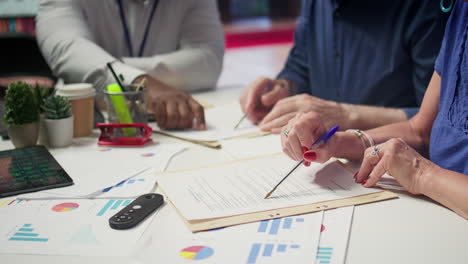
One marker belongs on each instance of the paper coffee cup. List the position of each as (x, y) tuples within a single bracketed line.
[(81, 96)]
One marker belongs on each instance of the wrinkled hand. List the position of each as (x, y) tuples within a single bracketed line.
[(259, 97), (173, 109), (286, 109), (303, 130), (397, 159)]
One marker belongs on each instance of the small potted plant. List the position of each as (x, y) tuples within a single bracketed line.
[(21, 115), (58, 121), (40, 94)]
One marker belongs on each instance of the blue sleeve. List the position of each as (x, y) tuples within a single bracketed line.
[(296, 68), (410, 111), (424, 37)]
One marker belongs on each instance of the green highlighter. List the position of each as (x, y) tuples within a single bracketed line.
[(120, 108)]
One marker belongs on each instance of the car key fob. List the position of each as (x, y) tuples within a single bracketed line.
[(136, 211)]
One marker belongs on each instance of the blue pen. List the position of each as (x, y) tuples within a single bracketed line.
[(321, 140)]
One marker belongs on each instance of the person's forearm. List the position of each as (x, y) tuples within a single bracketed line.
[(368, 117), (446, 187), (187, 69)]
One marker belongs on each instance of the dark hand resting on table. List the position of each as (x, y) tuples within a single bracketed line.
[(172, 108)]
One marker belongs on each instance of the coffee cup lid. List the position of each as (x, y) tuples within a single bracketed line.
[(76, 91)]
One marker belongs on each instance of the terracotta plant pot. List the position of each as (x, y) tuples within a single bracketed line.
[(24, 135)]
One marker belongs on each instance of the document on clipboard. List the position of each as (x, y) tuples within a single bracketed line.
[(233, 193)]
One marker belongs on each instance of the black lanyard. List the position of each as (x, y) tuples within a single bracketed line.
[(128, 39)]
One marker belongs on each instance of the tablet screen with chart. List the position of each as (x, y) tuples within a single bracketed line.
[(30, 169)]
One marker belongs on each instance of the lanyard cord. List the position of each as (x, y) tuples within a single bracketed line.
[(127, 32), (446, 9)]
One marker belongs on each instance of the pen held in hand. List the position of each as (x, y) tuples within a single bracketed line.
[(242, 119), (265, 89), (322, 139)]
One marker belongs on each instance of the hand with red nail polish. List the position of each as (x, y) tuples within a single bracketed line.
[(300, 133)]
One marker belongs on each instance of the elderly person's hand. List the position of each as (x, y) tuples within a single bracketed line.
[(259, 97), (299, 135), (283, 111), (397, 159)]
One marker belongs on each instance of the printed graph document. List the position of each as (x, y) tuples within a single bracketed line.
[(239, 188), (67, 227), (283, 240), (220, 121), (334, 235)]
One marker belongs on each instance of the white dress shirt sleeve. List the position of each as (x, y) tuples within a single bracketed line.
[(198, 62), (69, 49)]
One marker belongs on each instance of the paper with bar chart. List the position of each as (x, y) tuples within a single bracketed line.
[(284, 240), (68, 227), (239, 187), (334, 235)]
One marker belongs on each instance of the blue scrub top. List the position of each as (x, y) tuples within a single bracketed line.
[(366, 51), (449, 136)]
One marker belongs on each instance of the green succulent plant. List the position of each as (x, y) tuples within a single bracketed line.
[(40, 94), (20, 105), (56, 107)]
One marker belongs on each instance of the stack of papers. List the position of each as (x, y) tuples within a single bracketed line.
[(233, 193)]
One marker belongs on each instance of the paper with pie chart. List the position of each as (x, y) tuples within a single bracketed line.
[(283, 240), (71, 227)]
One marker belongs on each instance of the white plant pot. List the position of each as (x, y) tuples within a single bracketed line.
[(42, 131), (59, 132)]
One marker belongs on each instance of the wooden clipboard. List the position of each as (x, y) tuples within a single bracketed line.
[(212, 223)]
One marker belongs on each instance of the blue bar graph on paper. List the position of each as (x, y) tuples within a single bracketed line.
[(116, 204), (287, 223), (113, 205), (25, 234), (281, 248), (268, 251), (275, 226), (104, 209), (254, 250), (324, 255), (272, 227), (263, 226)]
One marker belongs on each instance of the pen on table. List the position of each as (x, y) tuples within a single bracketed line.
[(322, 139), (265, 89), (115, 76)]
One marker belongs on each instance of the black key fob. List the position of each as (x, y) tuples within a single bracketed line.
[(136, 211)]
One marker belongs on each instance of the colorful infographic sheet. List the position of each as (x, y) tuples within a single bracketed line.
[(68, 227), (284, 240), (334, 235)]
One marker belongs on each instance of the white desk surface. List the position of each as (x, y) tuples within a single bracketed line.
[(405, 230)]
